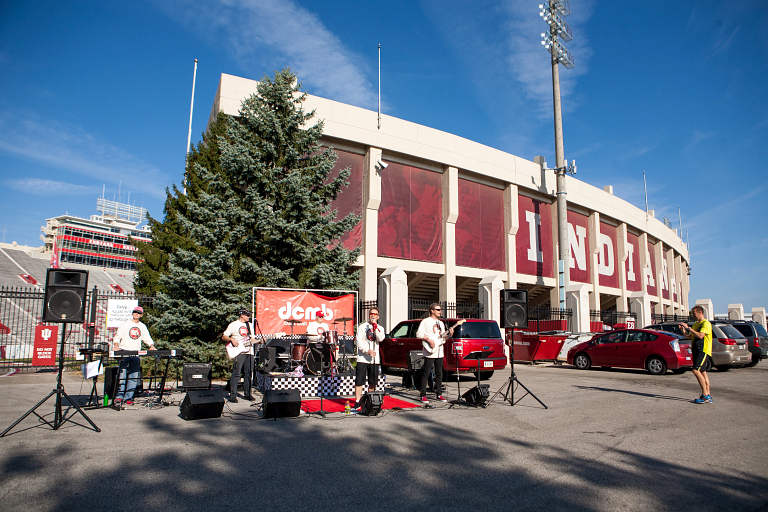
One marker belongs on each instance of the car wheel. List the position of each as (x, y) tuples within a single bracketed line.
[(582, 361), (723, 368), (754, 361), (484, 375), (656, 366)]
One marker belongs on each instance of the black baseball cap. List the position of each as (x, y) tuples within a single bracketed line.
[(244, 312)]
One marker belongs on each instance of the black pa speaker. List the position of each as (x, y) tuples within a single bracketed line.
[(477, 395), (415, 360), (283, 403), (196, 376), (110, 380), (65, 292), (372, 401), (267, 359), (200, 404), (514, 308)]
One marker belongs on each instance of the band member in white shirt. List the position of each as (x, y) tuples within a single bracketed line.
[(369, 335), (432, 332), (317, 327), (129, 337), (241, 332)]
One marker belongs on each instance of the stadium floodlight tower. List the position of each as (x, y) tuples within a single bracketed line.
[(553, 13)]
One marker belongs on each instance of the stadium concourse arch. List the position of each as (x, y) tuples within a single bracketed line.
[(452, 220)]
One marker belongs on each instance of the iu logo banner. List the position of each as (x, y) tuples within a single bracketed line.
[(45, 345), (274, 307)]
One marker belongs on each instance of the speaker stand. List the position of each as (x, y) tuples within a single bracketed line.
[(58, 417), (509, 386)]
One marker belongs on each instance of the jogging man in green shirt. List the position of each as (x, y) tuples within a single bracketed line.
[(701, 347)]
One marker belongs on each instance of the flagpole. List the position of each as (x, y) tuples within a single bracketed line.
[(191, 108)]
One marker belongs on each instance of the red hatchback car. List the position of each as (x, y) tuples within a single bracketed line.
[(634, 348), (472, 336)]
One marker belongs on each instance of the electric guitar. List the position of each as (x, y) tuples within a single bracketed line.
[(244, 346), (441, 339)]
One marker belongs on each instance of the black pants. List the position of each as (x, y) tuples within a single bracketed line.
[(242, 364), (429, 363)]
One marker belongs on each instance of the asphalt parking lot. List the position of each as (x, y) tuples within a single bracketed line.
[(610, 440)]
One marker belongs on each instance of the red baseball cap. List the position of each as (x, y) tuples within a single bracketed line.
[(138, 309)]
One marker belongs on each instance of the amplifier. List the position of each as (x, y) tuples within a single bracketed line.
[(196, 376)]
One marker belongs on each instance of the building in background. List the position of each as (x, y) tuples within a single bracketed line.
[(104, 240)]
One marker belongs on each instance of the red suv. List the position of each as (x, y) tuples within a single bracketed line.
[(634, 348), (472, 336)]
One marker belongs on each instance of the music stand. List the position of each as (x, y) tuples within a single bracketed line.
[(509, 392), (58, 417), (478, 356), (320, 348)]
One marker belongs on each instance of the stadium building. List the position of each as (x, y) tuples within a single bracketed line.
[(447, 219)]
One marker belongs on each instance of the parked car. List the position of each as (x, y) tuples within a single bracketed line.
[(729, 346), (472, 336), (757, 338), (634, 348)]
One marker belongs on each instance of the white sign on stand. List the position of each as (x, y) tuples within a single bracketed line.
[(119, 311)]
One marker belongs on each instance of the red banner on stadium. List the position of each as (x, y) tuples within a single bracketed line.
[(274, 307), (45, 345)]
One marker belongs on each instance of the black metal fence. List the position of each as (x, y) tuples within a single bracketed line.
[(658, 318), (544, 319), (610, 319), (419, 308), (21, 311)]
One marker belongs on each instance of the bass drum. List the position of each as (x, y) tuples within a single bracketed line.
[(314, 363)]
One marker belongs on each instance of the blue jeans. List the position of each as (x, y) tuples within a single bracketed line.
[(129, 376)]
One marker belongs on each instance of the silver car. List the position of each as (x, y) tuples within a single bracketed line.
[(729, 346)]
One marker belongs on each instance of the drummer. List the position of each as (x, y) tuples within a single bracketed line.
[(317, 327)]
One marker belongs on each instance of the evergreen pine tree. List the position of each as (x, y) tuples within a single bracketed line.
[(263, 218)]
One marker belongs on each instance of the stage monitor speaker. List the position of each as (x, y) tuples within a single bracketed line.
[(283, 403), (267, 359), (415, 360), (196, 376), (514, 308), (200, 404), (65, 292), (372, 401), (110, 378), (477, 395)]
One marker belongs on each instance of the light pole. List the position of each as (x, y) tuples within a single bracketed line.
[(553, 13)]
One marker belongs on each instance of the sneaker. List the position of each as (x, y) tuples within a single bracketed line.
[(233, 399), (441, 398), (129, 402), (357, 409), (424, 400), (707, 398), (700, 400), (250, 398), (118, 401)]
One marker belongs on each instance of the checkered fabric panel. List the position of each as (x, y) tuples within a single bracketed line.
[(313, 385)]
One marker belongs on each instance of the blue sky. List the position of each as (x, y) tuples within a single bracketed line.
[(98, 93)]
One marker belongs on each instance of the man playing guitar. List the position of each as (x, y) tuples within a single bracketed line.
[(239, 337), (432, 332)]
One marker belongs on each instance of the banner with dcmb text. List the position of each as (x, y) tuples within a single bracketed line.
[(274, 307)]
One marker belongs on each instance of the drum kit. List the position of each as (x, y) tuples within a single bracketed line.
[(322, 355)]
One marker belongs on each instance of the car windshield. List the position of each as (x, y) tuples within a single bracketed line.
[(730, 331), (477, 330)]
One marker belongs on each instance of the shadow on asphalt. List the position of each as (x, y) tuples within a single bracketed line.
[(636, 393)]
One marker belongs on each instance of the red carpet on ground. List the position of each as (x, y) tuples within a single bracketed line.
[(337, 404)]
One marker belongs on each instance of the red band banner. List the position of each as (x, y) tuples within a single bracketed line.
[(45, 345), (274, 307)]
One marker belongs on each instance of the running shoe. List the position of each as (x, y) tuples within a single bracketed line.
[(441, 398), (700, 400), (129, 402), (424, 400), (707, 398)]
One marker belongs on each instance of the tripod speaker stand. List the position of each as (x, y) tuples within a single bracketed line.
[(58, 416), (509, 387)]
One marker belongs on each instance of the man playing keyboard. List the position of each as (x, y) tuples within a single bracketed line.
[(129, 337)]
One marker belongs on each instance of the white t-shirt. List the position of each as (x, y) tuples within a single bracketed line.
[(315, 328), (431, 329), (238, 331), (131, 334), (369, 339)]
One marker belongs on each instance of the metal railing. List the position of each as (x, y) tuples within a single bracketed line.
[(419, 308), (545, 319), (21, 311), (658, 318), (610, 319)]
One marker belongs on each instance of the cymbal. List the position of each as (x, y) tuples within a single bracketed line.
[(293, 321), (342, 319)]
